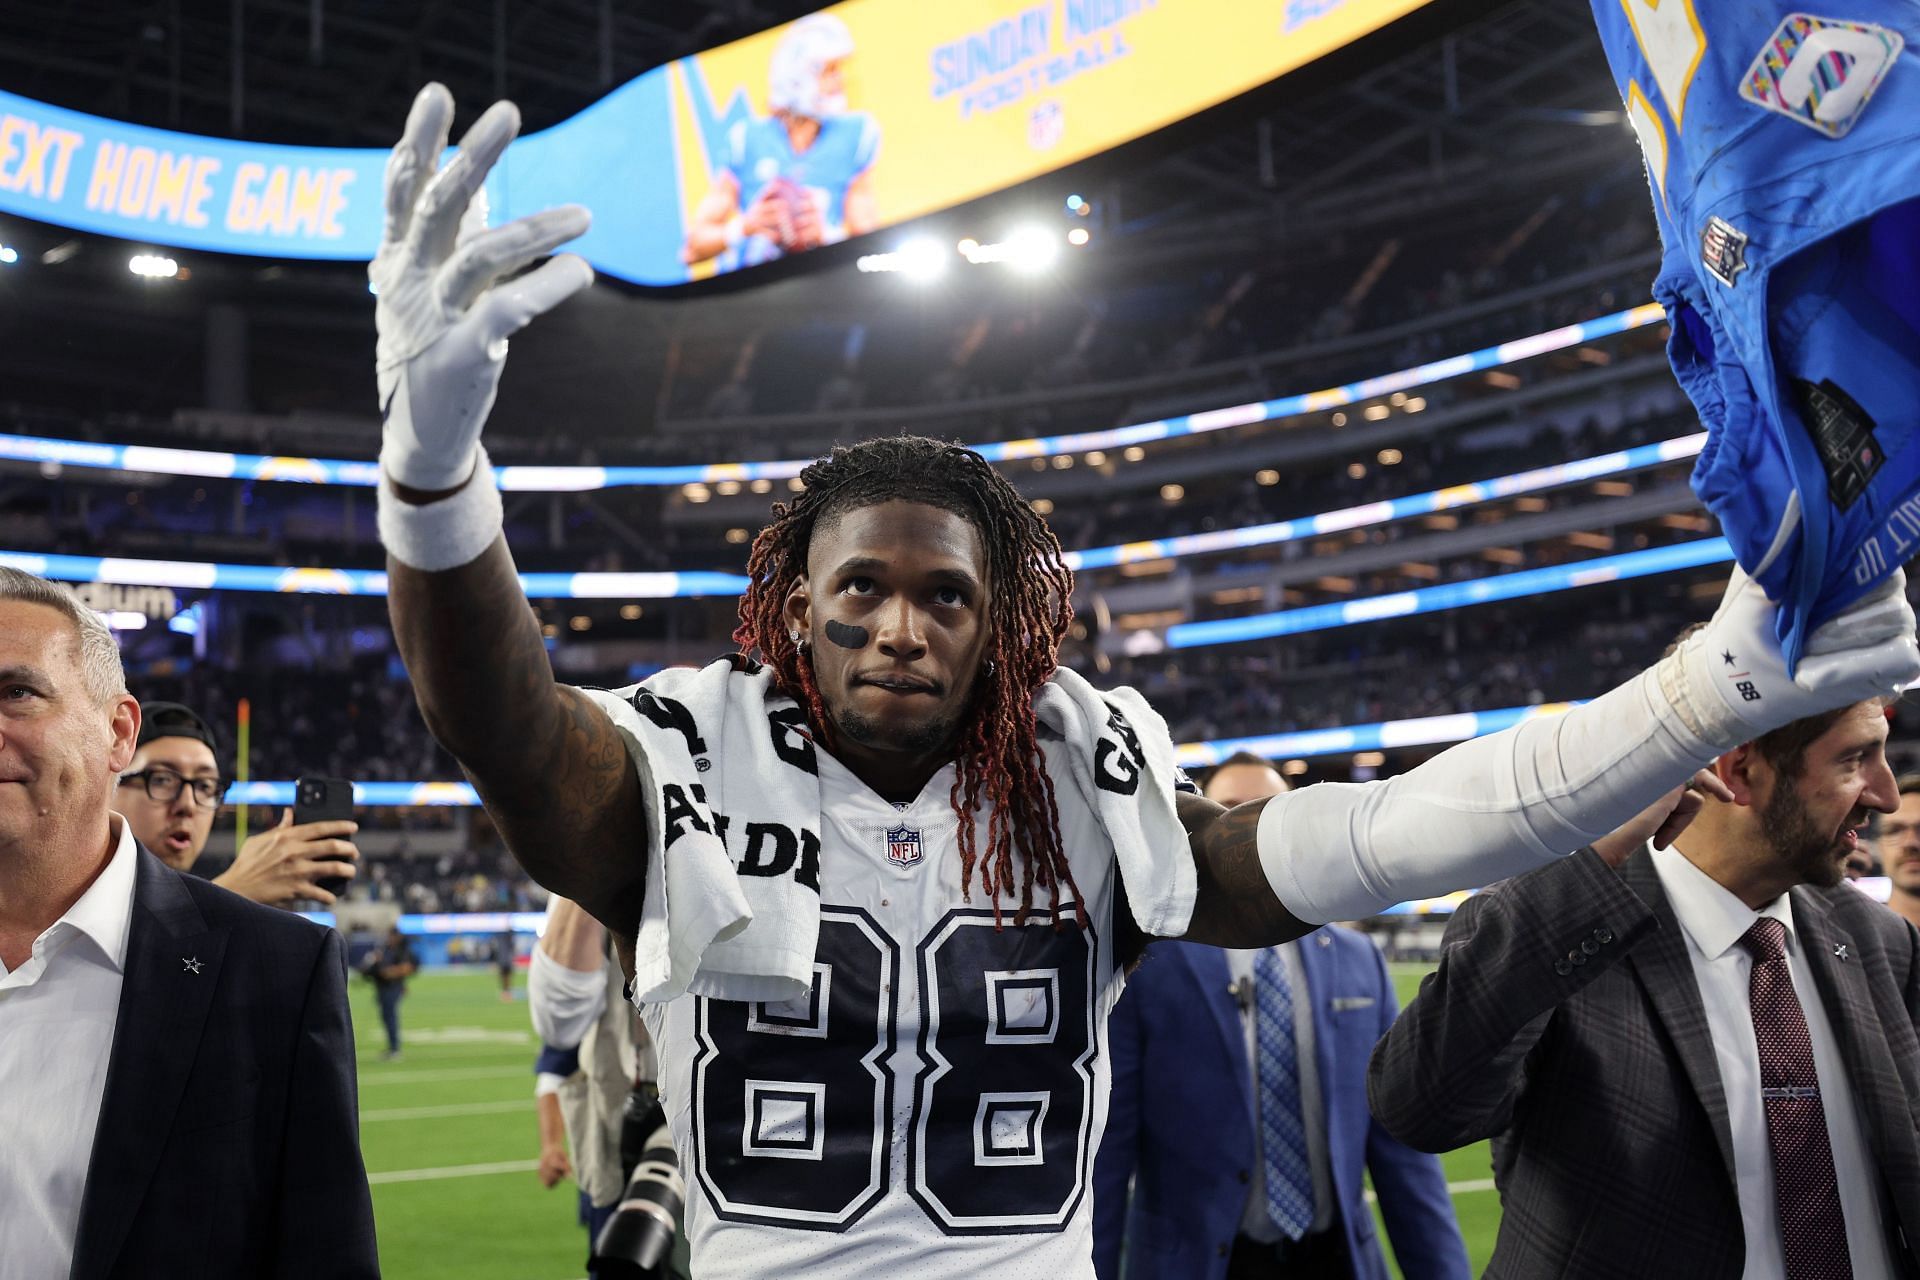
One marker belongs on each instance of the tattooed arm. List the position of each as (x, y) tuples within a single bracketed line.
[(449, 292), (1236, 906), (549, 765)]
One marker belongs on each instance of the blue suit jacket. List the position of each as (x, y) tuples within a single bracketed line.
[(1179, 1121), (229, 1137)]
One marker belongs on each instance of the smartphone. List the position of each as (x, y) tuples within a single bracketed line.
[(324, 800)]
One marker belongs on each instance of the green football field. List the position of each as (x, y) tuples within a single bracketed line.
[(449, 1138)]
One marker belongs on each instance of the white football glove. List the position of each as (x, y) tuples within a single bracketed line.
[(1728, 682), (443, 322)]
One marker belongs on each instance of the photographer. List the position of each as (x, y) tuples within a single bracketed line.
[(171, 793), (574, 994), (390, 965)]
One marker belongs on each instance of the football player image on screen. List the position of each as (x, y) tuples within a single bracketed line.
[(798, 177), (877, 879)]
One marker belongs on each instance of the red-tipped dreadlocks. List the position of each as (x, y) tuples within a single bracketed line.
[(1029, 592)]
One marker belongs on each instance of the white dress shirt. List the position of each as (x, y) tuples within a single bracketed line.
[(1714, 920), (57, 1014), (1255, 1223)]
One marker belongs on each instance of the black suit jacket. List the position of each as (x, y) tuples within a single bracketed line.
[(229, 1138), (1565, 1023)]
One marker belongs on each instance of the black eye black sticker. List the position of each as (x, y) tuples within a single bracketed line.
[(846, 635)]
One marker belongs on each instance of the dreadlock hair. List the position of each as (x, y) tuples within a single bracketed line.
[(1029, 606)]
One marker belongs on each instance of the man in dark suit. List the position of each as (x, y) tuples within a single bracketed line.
[(176, 1063), (1188, 1095), (1696, 1060)]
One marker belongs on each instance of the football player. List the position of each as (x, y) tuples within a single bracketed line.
[(800, 176), (975, 924)]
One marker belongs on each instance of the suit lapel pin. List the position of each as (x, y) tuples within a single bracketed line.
[(1840, 951), (191, 964)]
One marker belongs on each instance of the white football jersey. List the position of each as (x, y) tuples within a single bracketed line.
[(933, 1106)]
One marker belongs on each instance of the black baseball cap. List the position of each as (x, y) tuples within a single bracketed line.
[(175, 720)]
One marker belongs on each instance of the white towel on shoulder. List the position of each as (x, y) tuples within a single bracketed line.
[(730, 781)]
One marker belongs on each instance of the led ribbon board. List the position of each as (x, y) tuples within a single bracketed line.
[(200, 575), (157, 460), (942, 103), (1426, 731)]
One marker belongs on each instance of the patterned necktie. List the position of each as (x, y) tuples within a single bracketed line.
[(1283, 1138), (1813, 1230)]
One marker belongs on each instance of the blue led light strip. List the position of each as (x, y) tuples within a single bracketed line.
[(1385, 736), (255, 466), (193, 575), (1371, 513), (1452, 595), (196, 576)]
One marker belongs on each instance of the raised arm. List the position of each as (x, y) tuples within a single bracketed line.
[(550, 767), (1502, 805)]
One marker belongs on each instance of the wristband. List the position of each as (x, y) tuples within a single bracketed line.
[(736, 231), (445, 534)]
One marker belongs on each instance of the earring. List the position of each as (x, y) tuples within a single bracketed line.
[(989, 670)]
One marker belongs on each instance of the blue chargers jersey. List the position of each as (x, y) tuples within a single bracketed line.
[(1783, 151), (759, 153)]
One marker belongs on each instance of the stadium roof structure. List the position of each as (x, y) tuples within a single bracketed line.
[(1426, 123), (1451, 100)]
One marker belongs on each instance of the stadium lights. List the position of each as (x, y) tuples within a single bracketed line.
[(920, 258), (1032, 249), (1029, 249), (152, 266), (1078, 236), (8, 254)]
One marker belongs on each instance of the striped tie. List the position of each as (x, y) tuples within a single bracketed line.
[(1283, 1138), (1813, 1229)]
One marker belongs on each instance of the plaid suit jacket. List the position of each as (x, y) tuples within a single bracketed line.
[(1564, 1022)]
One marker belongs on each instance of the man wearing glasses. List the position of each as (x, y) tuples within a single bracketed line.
[(170, 795)]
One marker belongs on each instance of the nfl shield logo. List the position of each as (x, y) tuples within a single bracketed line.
[(1723, 250), (1046, 125), (903, 846)]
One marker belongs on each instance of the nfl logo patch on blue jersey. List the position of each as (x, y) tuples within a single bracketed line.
[(903, 846)]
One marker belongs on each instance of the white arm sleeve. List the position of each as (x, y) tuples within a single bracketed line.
[(1478, 812), (564, 1002), (546, 1083)]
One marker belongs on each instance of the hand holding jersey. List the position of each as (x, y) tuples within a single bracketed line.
[(1783, 150)]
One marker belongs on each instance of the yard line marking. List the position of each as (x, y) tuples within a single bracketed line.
[(1471, 1185), (1455, 1188), (403, 1076), (462, 1036), (453, 1171), (449, 1109)]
